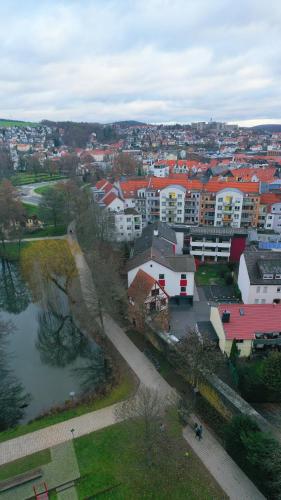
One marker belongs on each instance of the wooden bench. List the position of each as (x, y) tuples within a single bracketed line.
[(31, 475)]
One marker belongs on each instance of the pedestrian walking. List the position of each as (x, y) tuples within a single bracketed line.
[(200, 432)]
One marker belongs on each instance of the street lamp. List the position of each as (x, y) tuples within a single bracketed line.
[(72, 432)]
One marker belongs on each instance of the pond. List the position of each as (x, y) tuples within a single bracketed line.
[(45, 350)]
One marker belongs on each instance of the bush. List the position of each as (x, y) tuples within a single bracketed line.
[(253, 377), (257, 453)]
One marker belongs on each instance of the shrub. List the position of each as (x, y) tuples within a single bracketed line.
[(229, 279), (257, 453), (271, 372)]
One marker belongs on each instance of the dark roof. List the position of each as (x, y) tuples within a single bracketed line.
[(257, 260), (130, 211), (177, 263), (182, 263), (220, 231), (148, 239)]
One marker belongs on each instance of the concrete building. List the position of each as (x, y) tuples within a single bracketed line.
[(253, 327), (128, 225), (259, 277), (218, 244)]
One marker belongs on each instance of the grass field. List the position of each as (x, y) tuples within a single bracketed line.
[(211, 274), (108, 461), (23, 178), (11, 251), (15, 123), (59, 230), (24, 464), (122, 391), (42, 189)]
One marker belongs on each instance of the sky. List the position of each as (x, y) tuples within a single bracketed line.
[(149, 60)]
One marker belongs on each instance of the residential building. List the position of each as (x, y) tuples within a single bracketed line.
[(128, 225), (218, 244), (253, 327), (154, 253), (147, 299), (259, 277)]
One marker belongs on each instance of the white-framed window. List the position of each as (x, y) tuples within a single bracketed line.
[(183, 288), (264, 289), (262, 301), (258, 289), (257, 301)]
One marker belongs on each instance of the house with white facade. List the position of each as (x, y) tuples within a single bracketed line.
[(259, 277), (172, 199), (128, 225), (228, 208), (155, 254), (273, 218)]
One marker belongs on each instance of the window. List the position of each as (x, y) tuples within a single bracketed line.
[(219, 207), (183, 276), (183, 288), (257, 301), (239, 341), (262, 301), (220, 200), (258, 289), (264, 289), (279, 289), (278, 276), (219, 216), (268, 276), (179, 196), (155, 292), (236, 216), (161, 276)]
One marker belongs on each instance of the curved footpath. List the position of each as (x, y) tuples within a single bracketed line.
[(229, 476)]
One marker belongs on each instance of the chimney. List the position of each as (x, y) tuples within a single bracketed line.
[(155, 232), (225, 316)]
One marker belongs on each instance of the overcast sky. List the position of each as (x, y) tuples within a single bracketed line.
[(150, 60)]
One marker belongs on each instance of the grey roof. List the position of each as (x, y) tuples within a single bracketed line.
[(256, 260), (220, 231), (130, 211), (148, 239), (182, 263)]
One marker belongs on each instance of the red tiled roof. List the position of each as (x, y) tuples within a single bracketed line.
[(257, 318), (129, 188), (246, 174), (269, 198), (109, 198), (100, 184), (141, 285)]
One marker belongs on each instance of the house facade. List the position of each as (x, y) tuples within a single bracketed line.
[(259, 277)]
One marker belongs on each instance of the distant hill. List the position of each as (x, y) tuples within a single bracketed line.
[(77, 134), (268, 128), (128, 123)]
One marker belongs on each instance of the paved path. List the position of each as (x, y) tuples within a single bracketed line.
[(226, 472)]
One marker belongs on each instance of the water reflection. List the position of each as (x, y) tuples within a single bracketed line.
[(47, 352), (14, 295)]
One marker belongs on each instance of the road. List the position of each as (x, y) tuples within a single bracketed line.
[(28, 195)]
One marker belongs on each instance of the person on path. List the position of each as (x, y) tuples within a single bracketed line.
[(200, 432)]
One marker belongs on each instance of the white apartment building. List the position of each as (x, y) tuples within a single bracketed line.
[(259, 277), (128, 225), (273, 219), (159, 170), (228, 207), (172, 204)]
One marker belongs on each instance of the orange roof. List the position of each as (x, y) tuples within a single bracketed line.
[(129, 188), (269, 198), (142, 285), (100, 184), (246, 174)]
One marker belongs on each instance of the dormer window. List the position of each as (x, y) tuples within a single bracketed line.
[(268, 276), (278, 276)]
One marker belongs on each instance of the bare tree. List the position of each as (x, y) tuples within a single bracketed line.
[(196, 356)]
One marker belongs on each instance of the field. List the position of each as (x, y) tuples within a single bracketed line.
[(23, 178), (24, 464), (42, 189), (110, 469), (16, 123)]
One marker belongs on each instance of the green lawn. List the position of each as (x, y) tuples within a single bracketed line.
[(211, 274), (107, 460), (59, 230), (122, 391), (23, 178), (11, 251), (43, 189), (15, 123), (24, 464)]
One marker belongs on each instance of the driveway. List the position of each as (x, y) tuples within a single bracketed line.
[(184, 316), (28, 195)]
